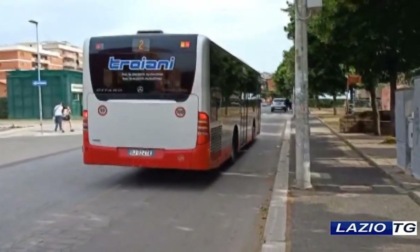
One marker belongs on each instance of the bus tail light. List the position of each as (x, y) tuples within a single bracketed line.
[(85, 119), (203, 133)]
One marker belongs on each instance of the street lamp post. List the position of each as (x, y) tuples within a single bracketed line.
[(39, 74), (303, 158)]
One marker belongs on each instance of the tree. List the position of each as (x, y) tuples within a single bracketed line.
[(397, 25), (346, 21), (326, 75), (284, 75), (324, 60), (379, 37)]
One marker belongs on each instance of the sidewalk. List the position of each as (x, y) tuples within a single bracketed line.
[(32, 128), (381, 155), (346, 187)]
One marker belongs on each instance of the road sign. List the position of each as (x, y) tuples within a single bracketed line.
[(39, 83), (354, 79)]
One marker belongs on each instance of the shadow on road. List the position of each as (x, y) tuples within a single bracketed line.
[(171, 179), (168, 178), (188, 180)]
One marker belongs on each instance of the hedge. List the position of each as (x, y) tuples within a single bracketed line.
[(323, 103)]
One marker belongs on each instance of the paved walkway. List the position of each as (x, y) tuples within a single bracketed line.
[(32, 128), (345, 188), (384, 156)]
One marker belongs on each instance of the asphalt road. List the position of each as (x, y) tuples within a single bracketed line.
[(57, 204), (24, 148)]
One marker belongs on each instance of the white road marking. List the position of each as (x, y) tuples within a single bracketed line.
[(249, 175), (186, 229), (276, 134)]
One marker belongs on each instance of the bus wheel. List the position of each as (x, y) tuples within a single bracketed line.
[(235, 149)]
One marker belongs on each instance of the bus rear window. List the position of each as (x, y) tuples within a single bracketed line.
[(132, 67)]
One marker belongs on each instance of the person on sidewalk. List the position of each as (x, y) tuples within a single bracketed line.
[(58, 117), (288, 104), (67, 116)]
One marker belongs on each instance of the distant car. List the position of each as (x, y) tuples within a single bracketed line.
[(279, 104)]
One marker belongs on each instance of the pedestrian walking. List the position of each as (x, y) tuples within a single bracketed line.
[(288, 104), (58, 117), (67, 116)]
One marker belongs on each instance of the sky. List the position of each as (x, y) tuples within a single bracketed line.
[(252, 30)]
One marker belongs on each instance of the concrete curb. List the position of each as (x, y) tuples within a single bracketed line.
[(275, 228), (32, 126), (413, 194), (14, 130), (29, 132)]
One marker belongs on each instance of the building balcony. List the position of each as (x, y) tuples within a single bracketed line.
[(43, 61), (69, 57), (70, 66)]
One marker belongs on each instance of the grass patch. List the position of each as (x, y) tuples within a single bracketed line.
[(389, 140), (334, 125), (329, 116)]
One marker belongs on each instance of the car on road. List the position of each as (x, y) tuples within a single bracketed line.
[(279, 104)]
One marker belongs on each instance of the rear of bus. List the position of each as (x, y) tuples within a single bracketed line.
[(142, 103)]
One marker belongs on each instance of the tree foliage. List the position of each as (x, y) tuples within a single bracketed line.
[(325, 74), (378, 38), (285, 74)]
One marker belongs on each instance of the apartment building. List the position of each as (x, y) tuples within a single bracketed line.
[(270, 84), (24, 57), (72, 55)]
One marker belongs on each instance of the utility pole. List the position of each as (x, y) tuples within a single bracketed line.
[(303, 171), (39, 74)]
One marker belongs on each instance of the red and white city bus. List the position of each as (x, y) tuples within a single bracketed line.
[(172, 101)]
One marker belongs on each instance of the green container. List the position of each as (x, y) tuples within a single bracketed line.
[(23, 101)]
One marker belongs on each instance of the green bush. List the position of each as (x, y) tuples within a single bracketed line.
[(3, 108), (326, 103)]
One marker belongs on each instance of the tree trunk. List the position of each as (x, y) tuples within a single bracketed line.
[(393, 88), (317, 101), (334, 103), (375, 117)]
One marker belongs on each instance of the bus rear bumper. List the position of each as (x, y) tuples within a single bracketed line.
[(192, 159)]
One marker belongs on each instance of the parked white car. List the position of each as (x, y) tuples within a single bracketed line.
[(279, 104)]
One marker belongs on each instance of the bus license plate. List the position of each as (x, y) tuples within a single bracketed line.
[(140, 153)]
